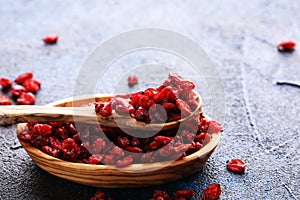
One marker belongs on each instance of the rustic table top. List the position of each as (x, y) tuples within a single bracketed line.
[(262, 124)]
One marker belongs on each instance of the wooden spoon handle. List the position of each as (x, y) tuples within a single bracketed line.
[(19, 114)]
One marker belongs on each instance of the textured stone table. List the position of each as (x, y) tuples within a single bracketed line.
[(262, 123)]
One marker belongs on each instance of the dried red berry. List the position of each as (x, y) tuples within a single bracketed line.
[(162, 140), (109, 160), (99, 195), (98, 146), (51, 151), (5, 82), (42, 129), (132, 80), (25, 136), (70, 149), (236, 166), (23, 77), (26, 98), (183, 107), (51, 39), (124, 162), (160, 195), (203, 138), (214, 127), (212, 192), (123, 142), (17, 90), (135, 142), (4, 100), (134, 149), (55, 142), (165, 94), (104, 109), (31, 85), (117, 152), (95, 159), (38, 82), (184, 194), (287, 45)]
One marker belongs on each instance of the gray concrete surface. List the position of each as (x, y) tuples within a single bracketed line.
[(262, 123)]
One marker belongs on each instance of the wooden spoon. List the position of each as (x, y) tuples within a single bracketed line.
[(19, 114)]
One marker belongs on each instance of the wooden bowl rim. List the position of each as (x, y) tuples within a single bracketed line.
[(206, 149)]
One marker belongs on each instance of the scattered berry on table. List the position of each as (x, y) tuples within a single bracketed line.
[(22, 91), (17, 90), (50, 39), (23, 77), (183, 194), (236, 166), (5, 82), (286, 46), (212, 192), (4, 101), (26, 98), (132, 80)]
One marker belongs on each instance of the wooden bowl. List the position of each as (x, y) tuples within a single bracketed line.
[(133, 176)]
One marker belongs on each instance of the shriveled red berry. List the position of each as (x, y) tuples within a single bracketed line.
[(99, 195), (104, 109), (98, 145), (203, 138), (98, 106), (160, 195), (55, 142), (132, 80), (186, 85), (23, 77), (117, 152), (95, 159), (70, 149), (31, 85), (124, 162), (184, 194), (236, 166), (287, 45), (135, 142), (214, 127), (26, 98), (5, 82), (38, 82), (120, 106), (50, 39), (165, 94), (141, 114), (25, 136), (42, 129), (134, 149), (123, 142), (109, 160), (162, 140), (4, 100), (153, 146), (17, 90), (183, 107), (212, 192), (51, 151)]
